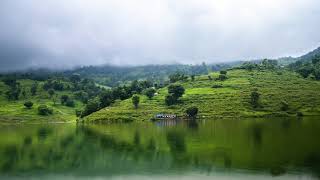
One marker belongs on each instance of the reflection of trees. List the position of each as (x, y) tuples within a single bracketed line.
[(43, 133), (224, 154), (257, 134), (193, 124), (176, 142)]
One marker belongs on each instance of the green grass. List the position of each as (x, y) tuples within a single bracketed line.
[(232, 100), (14, 111)]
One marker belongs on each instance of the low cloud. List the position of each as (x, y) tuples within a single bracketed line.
[(64, 34)]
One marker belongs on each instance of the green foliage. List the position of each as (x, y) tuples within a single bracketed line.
[(106, 99), (209, 77), (135, 100), (64, 98), (223, 72), (51, 92), (178, 76), (150, 92), (222, 77), (176, 90), (284, 106), (75, 78), (215, 86), (255, 97), (170, 100), (192, 77), (192, 111), (28, 104), (92, 106), (44, 110), (70, 102), (33, 89)]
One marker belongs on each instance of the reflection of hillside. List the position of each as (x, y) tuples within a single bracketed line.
[(265, 145)]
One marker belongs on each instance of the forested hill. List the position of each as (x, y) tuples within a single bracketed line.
[(115, 75), (309, 56)]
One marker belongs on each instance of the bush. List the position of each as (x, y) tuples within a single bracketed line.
[(78, 113), (209, 77), (192, 111), (135, 100), (70, 103), (217, 86), (176, 90), (223, 72), (150, 92), (28, 104), (44, 110), (222, 77), (284, 106), (64, 99), (255, 97), (170, 100), (91, 107)]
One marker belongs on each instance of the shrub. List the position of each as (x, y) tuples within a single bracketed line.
[(135, 100), (150, 92), (170, 100), (78, 113), (176, 90), (64, 99), (255, 97), (192, 77), (70, 103), (284, 106), (192, 111), (217, 86), (222, 77), (28, 104), (209, 77), (223, 72), (92, 106), (44, 110)]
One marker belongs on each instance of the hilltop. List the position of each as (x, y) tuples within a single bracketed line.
[(230, 99)]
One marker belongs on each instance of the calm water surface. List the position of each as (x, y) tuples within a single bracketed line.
[(206, 149)]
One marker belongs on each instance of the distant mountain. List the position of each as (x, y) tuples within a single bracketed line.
[(310, 55)]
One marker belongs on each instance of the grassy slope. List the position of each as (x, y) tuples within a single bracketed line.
[(14, 111), (230, 101)]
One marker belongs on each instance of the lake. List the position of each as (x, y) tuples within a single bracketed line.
[(280, 148)]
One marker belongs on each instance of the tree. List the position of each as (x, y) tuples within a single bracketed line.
[(192, 111), (28, 104), (222, 77), (192, 77), (33, 89), (255, 97), (51, 93), (209, 77), (64, 99), (92, 106), (176, 90), (106, 99), (75, 78), (70, 102), (316, 60), (135, 100), (150, 92), (223, 72), (170, 100), (44, 110)]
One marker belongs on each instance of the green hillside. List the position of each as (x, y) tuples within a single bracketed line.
[(231, 100), (15, 111)]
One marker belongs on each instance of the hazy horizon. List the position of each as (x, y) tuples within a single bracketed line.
[(64, 34)]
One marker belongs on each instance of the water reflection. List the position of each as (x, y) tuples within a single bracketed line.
[(273, 146)]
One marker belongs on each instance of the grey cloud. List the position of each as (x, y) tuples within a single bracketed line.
[(63, 34)]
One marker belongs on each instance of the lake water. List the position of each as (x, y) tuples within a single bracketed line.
[(204, 149)]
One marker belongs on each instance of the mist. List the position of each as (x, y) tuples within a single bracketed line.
[(65, 34)]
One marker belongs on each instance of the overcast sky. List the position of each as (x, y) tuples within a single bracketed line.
[(67, 33)]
